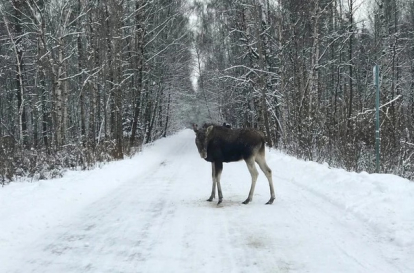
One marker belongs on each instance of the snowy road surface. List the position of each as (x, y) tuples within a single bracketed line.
[(149, 214)]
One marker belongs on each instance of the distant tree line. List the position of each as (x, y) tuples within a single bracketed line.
[(301, 71), (86, 81), (83, 81)]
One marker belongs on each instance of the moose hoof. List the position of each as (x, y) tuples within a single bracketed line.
[(210, 199), (270, 201), (219, 202), (246, 201)]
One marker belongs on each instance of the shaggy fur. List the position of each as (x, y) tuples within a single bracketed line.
[(218, 144)]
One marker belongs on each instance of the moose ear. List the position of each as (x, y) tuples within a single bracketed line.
[(195, 127), (225, 124), (209, 128)]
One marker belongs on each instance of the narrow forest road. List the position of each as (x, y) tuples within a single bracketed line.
[(159, 221)]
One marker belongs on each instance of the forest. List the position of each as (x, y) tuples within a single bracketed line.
[(83, 82)]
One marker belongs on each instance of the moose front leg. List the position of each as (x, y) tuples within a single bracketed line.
[(218, 168), (213, 190)]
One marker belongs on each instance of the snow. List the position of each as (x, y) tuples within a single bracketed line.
[(149, 214)]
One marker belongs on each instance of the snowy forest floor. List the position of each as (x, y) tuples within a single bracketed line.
[(149, 214)]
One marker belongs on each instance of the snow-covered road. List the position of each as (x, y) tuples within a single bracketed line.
[(149, 214)]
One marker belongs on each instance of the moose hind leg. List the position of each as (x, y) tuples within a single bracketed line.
[(213, 190), (219, 168), (268, 172), (254, 173)]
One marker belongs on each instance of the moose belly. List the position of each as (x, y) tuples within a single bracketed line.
[(226, 155)]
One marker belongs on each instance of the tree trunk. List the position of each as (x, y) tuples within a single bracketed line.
[(264, 115), (139, 61)]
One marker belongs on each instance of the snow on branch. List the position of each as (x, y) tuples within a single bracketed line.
[(369, 111)]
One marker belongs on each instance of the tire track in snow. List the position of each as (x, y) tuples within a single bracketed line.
[(99, 238), (340, 230)]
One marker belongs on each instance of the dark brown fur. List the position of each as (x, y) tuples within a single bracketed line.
[(218, 144)]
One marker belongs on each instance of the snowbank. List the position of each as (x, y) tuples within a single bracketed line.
[(385, 202)]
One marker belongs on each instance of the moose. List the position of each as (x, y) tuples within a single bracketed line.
[(219, 143)]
